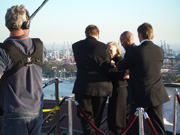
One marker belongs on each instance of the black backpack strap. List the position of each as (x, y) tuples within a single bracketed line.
[(38, 53), (19, 59), (1, 110), (15, 57)]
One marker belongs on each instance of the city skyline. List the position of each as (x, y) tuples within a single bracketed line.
[(65, 21)]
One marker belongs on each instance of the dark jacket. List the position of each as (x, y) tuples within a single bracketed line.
[(117, 107), (130, 47), (117, 79), (92, 58), (145, 86)]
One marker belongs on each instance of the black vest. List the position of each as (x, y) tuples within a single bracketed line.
[(20, 59)]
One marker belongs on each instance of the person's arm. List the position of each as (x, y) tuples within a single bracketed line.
[(113, 71), (128, 60), (5, 62), (126, 75)]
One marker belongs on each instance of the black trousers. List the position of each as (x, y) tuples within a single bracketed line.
[(93, 108), (155, 114), (1, 111), (118, 110)]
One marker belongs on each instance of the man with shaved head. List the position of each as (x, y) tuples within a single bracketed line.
[(127, 40)]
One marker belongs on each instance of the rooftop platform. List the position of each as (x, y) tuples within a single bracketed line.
[(77, 130)]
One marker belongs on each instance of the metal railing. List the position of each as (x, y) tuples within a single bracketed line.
[(176, 98), (57, 107), (55, 113), (139, 112)]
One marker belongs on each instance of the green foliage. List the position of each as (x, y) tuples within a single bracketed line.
[(62, 67), (171, 78), (67, 67), (50, 69), (49, 65)]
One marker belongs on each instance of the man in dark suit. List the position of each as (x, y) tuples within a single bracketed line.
[(127, 40), (145, 86), (92, 85)]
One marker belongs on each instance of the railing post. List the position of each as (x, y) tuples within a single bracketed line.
[(141, 126), (70, 123), (175, 113), (57, 104)]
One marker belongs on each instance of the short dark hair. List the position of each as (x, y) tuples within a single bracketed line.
[(146, 30), (91, 30)]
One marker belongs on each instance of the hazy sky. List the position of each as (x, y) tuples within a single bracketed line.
[(62, 21)]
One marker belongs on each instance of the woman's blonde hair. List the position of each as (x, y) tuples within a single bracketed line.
[(118, 50)]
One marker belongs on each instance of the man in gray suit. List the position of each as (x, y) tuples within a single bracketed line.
[(146, 87)]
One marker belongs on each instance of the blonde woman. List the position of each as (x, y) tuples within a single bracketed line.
[(118, 101)]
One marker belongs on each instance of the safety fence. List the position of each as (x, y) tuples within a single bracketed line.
[(139, 113), (176, 97), (57, 107)]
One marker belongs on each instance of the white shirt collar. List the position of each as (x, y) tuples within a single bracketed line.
[(144, 41)]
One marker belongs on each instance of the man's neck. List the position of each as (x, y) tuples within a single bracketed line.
[(19, 32), (96, 37), (142, 41)]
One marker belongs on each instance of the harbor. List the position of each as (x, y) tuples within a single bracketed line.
[(59, 51)]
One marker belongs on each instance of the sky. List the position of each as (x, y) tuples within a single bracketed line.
[(62, 22)]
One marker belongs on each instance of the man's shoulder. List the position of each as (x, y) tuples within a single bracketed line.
[(89, 42), (149, 46), (148, 42), (5, 45), (131, 47), (152, 44), (37, 41), (101, 43), (1, 44), (2, 49), (92, 40), (78, 43)]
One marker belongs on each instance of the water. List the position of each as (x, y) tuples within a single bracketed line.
[(65, 89)]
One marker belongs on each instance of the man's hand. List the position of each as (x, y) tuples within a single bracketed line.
[(126, 75), (113, 63)]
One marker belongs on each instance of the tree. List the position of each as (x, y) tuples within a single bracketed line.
[(171, 78), (51, 68)]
